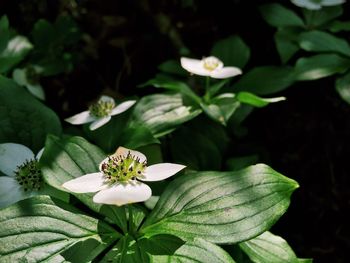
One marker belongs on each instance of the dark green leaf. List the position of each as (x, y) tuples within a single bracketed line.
[(172, 67), (253, 100), (286, 43), (222, 207), (343, 87), (318, 41), (162, 113), (338, 26), (198, 250), (322, 16), (269, 248), (278, 16), (160, 244), (23, 119), (233, 51), (39, 229), (320, 66), (238, 163), (265, 80), (69, 158)]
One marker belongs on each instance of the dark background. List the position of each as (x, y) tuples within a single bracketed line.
[(306, 137)]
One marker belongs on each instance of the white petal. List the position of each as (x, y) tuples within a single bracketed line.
[(12, 155), (161, 171), (124, 152), (226, 72), (88, 183), (194, 66), (19, 76), (10, 191), (36, 90), (81, 118), (106, 98), (123, 107), (39, 154), (122, 194), (99, 122)]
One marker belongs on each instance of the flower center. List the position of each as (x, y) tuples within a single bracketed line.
[(28, 175), (211, 63), (123, 168), (102, 108)]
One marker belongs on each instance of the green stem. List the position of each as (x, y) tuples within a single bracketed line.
[(207, 86)]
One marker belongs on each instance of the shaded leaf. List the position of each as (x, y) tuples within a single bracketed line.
[(279, 16)]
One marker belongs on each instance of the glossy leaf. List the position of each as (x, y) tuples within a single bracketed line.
[(279, 16), (24, 119), (265, 80), (162, 113), (269, 248), (233, 51), (318, 41), (39, 229), (253, 100), (160, 244), (198, 250), (69, 158), (221, 207), (320, 66)]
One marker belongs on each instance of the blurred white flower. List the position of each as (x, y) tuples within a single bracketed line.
[(119, 180), (209, 66), (100, 113), (29, 78), (22, 175), (316, 4)]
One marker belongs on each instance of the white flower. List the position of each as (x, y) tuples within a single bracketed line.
[(22, 175), (316, 4), (119, 180), (29, 78), (209, 66), (100, 113)]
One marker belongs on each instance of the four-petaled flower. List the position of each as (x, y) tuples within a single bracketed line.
[(30, 78), (209, 66), (100, 113), (119, 180), (22, 175), (317, 4)]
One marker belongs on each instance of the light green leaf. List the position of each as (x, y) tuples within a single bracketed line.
[(269, 248), (198, 250), (69, 158), (233, 51), (23, 119), (265, 80), (39, 229), (253, 100), (162, 113), (320, 66), (221, 207), (278, 16), (318, 41), (342, 85), (14, 52)]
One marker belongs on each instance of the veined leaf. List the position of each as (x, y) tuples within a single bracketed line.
[(198, 250), (69, 158), (221, 207), (269, 248), (39, 229)]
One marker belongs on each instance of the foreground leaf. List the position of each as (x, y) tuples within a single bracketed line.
[(198, 250), (40, 229), (253, 100), (342, 85), (269, 248), (221, 207)]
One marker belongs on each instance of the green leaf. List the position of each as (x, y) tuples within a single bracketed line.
[(135, 137), (265, 80), (162, 113), (14, 52), (233, 51), (342, 85), (237, 163), (269, 248), (253, 100), (338, 26), (318, 41), (278, 16), (40, 228), (160, 244), (172, 67), (69, 158), (173, 85), (286, 42), (221, 207), (23, 119), (322, 16), (198, 250), (320, 66)]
